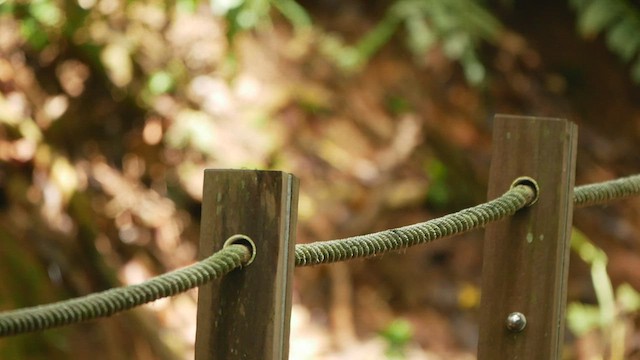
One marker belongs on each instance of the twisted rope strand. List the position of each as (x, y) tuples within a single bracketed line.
[(114, 300), (600, 193), (325, 252)]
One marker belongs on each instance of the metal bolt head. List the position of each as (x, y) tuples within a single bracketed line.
[(516, 322)]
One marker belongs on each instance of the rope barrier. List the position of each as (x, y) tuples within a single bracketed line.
[(235, 255), (111, 301)]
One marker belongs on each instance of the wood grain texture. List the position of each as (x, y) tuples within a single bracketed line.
[(246, 314), (526, 257)]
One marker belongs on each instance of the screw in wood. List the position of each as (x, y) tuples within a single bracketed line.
[(516, 322)]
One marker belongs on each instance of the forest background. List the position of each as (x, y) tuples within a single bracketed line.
[(110, 110)]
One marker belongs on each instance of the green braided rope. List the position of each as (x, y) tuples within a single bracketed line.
[(118, 299), (362, 246), (603, 192), (325, 252), (111, 301)]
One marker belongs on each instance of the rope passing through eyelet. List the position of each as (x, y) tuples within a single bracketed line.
[(531, 183), (245, 241)]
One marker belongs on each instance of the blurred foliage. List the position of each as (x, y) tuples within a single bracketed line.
[(618, 21), (612, 313), (245, 15), (397, 335), (457, 26), (439, 190), (111, 109)]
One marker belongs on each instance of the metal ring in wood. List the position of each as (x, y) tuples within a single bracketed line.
[(530, 182), (245, 241)]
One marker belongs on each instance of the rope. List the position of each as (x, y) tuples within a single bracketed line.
[(114, 300), (603, 192), (234, 256), (363, 246), (325, 252)]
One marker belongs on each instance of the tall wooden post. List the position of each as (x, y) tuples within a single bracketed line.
[(245, 315), (525, 261)]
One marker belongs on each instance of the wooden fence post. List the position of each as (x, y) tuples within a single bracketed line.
[(526, 256), (245, 315)]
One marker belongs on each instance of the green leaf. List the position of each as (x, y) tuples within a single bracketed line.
[(474, 19), (397, 335), (442, 18), (584, 248), (456, 45), (7, 7), (348, 58), (241, 15), (582, 318), (623, 38), (398, 105), (628, 298), (474, 71), (597, 15), (46, 12), (439, 193), (294, 12), (376, 38), (160, 82), (420, 37), (186, 6), (35, 35)]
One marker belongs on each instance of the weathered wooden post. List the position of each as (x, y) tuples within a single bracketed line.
[(245, 315), (525, 262)]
